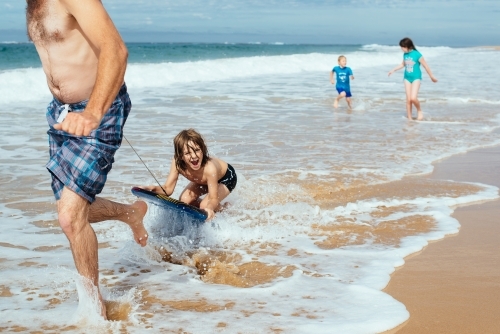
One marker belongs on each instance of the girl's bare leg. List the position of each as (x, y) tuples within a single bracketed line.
[(415, 86), (408, 90)]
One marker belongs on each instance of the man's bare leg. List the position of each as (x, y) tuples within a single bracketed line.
[(73, 217), (131, 214)]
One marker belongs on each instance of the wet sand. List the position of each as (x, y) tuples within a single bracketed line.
[(453, 285)]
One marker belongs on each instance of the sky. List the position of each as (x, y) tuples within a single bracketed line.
[(427, 22)]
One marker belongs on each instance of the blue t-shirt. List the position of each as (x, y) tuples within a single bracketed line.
[(342, 77)]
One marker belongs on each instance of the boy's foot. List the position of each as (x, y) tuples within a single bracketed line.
[(420, 115), (336, 103)]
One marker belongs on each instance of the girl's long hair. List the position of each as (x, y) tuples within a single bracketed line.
[(407, 43), (182, 139)]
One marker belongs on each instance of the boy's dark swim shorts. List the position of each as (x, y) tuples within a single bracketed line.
[(229, 179), (82, 163)]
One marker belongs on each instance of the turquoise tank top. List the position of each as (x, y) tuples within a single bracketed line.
[(412, 65)]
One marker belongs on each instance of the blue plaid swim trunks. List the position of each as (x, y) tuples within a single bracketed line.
[(82, 163)]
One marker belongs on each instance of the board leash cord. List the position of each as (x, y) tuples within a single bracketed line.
[(145, 165)]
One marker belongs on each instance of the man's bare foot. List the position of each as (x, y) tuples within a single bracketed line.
[(336, 103), (91, 292), (104, 313), (135, 215), (420, 115)]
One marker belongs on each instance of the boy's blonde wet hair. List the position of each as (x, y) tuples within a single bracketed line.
[(182, 139), (340, 57)]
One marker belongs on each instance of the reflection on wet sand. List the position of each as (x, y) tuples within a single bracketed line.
[(9, 245), (408, 188), (219, 267), (117, 311), (387, 233), (5, 291), (30, 209), (201, 305)]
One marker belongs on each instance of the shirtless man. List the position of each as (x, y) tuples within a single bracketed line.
[(84, 59)]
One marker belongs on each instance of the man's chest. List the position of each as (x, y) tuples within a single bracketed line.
[(46, 21)]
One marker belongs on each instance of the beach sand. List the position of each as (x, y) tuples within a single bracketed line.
[(453, 285)]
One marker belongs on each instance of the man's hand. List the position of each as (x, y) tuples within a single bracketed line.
[(78, 124)]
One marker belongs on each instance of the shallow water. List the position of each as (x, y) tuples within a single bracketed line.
[(328, 201)]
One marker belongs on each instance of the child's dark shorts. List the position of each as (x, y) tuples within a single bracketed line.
[(347, 92), (229, 179), (82, 163)]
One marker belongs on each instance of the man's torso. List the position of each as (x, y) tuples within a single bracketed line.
[(68, 60)]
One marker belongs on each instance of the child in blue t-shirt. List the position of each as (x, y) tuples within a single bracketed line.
[(342, 74), (412, 59)]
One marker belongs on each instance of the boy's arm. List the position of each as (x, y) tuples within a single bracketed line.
[(213, 190), (169, 185), (172, 178), (428, 69), (397, 68), (332, 81)]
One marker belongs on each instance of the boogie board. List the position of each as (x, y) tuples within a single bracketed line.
[(197, 216)]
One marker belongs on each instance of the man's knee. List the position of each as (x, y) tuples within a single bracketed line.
[(70, 223), (72, 215)]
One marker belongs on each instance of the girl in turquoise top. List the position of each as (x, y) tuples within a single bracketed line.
[(411, 63)]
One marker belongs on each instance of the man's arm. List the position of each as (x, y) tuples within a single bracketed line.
[(112, 53)]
